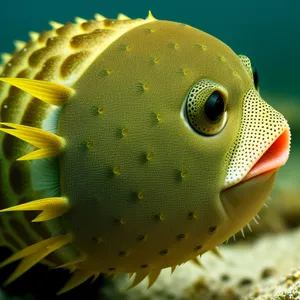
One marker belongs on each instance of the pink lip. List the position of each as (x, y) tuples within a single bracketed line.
[(275, 156)]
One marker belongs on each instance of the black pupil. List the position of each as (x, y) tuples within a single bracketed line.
[(255, 77), (214, 107)]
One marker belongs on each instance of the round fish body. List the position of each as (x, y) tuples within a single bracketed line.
[(154, 146)]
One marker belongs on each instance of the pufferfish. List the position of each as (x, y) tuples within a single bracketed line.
[(130, 146)]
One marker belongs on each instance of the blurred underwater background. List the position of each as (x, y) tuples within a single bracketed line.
[(265, 263)]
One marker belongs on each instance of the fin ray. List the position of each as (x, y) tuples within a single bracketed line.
[(51, 208), (153, 275), (77, 278), (49, 92), (139, 276), (33, 254), (50, 143)]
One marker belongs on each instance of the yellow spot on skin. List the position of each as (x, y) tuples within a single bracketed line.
[(142, 238), (181, 236), (100, 110), (98, 240), (143, 87), (144, 266), (141, 195), (212, 229), (124, 132), (197, 248), (160, 217), (109, 71), (193, 215), (183, 173), (235, 74), (158, 117), (122, 253), (201, 47), (156, 60), (149, 156), (163, 252), (185, 71), (151, 30), (146, 86), (120, 221), (89, 144), (222, 59), (116, 170)]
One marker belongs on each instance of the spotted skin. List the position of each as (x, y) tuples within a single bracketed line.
[(147, 188)]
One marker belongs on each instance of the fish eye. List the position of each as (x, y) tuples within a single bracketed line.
[(206, 107), (255, 77), (214, 107)]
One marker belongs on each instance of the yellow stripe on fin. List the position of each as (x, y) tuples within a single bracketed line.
[(73, 263), (34, 253), (122, 17), (153, 275), (51, 208), (78, 277), (49, 92), (50, 144)]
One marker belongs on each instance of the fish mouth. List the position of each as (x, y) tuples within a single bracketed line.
[(273, 158), (243, 200)]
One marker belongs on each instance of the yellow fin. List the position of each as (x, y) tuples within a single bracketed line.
[(153, 275), (122, 17), (150, 16), (34, 35), (79, 20), (55, 25), (19, 45), (173, 269), (49, 92), (51, 208), (34, 253), (50, 144), (115, 275), (99, 17), (77, 278), (139, 276), (197, 262), (6, 57), (73, 262), (216, 252)]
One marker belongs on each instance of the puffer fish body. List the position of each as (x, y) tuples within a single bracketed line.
[(143, 142)]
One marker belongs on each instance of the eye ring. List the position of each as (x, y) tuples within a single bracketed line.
[(205, 107)]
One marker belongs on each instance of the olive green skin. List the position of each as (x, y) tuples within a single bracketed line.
[(148, 71)]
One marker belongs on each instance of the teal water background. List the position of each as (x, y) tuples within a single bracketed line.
[(267, 31)]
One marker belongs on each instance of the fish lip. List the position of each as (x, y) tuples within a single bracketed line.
[(281, 147)]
